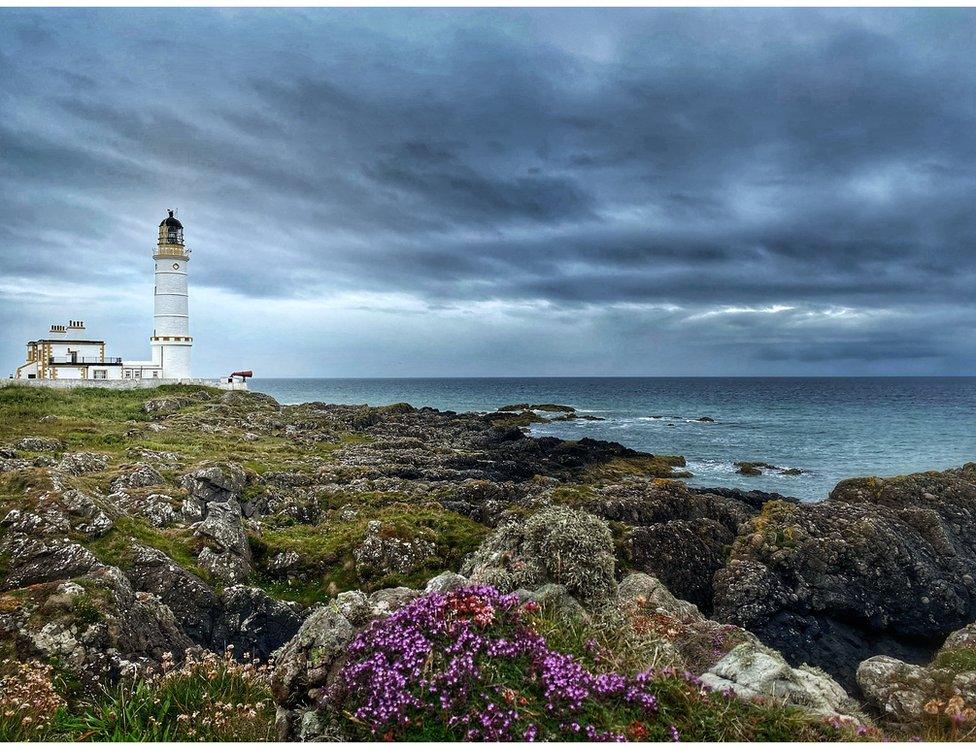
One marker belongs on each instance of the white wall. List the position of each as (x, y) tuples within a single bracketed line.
[(89, 351), (171, 308), (123, 385)]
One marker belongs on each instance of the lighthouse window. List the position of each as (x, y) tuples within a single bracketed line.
[(98, 374)]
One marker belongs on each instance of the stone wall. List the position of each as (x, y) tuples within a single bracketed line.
[(124, 385)]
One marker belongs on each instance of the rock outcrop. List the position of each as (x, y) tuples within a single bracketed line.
[(383, 551), (910, 693), (685, 555), (96, 625), (45, 560), (884, 566), (304, 665), (194, 603), (213, 499), (137, 475), (214, 483)]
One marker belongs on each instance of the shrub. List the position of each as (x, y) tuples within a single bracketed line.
[(556, 545)]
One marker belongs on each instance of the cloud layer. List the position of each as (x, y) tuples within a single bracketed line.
[(463, 192)]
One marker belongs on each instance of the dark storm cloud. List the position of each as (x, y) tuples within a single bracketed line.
[(436, 176), (566, 169)]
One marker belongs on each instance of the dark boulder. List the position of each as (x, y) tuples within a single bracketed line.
[(484, 501), (641, 503), (165, 405), (755, 499), (884, 566), (253, 622), (39, 444), (212, 483), (135, 476), (683, 555), (194, 604), (758, 468), (43, 560)]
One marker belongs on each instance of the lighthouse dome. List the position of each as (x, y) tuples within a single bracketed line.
[(171, 221), (170, 231)]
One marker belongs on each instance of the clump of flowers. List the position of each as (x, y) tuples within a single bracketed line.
[(469, 665), (960, 718), (28, 701), (470, 658), (206, 697), (701, 643)]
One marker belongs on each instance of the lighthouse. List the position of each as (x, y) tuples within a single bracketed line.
[(72, 356), (171, 340)]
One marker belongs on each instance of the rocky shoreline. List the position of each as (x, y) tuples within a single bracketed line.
[(133, 526)]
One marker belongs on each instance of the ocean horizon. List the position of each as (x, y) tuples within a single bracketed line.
[(828, 428)]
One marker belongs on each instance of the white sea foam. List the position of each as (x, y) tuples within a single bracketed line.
[(710, 466)]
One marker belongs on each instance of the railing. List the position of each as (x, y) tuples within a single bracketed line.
[(85, 361)]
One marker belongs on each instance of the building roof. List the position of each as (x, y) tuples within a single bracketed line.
[(65, 341)]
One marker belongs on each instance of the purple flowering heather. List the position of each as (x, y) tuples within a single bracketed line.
[(453, 659)]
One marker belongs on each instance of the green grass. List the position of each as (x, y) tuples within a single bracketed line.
[(96, 419), (326, 549), (115, 548), (15, 486), (75, 408), (208, 699), (957, 659)]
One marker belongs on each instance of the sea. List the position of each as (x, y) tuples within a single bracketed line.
[(830, 428)]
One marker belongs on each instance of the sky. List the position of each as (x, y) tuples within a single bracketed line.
[(436, 192)]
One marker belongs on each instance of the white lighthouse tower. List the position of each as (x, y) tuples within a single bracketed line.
[(171, 340)]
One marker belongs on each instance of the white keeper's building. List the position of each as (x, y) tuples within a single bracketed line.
[(69, 353)]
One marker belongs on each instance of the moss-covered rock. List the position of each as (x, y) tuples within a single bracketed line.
[(362, 550), (556, 545)]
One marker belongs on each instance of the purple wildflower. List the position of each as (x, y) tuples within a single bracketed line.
[(439, 656)]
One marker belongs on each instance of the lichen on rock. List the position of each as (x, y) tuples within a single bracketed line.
[(384, 551), (751, 670), (555, 545)]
